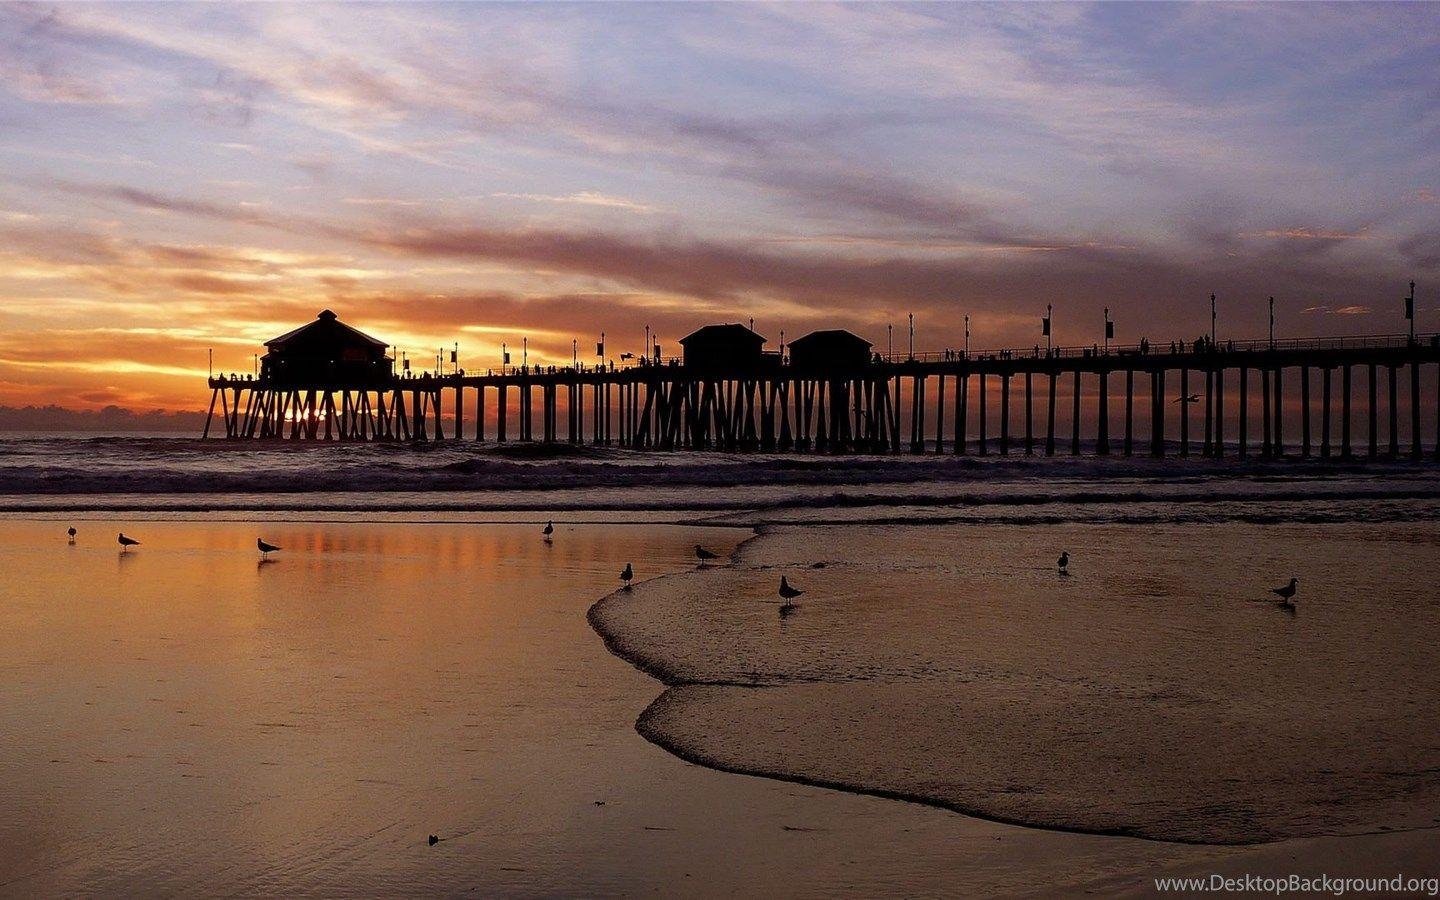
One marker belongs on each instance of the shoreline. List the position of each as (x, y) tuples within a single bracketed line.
[(687, 693)]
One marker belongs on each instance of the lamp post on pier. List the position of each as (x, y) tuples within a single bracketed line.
[(1410, 311), (1272, 323), (967, 337)]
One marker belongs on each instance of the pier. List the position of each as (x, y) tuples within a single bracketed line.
[(1262, 399)]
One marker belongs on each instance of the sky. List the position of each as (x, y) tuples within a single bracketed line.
[(177, 179)]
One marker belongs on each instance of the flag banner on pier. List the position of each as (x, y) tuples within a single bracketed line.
[(1410, 308), (507, 357), (1045, 325), (454, 356), (599, 349), (1109, 329)]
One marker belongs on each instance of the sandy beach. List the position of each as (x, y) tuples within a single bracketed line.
[(184, 719)]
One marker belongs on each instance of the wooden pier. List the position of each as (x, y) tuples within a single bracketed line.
[(929, 403)]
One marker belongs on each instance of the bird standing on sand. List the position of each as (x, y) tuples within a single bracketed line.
[(1287, 593), (548, 530), (626, 575), (127, 542), (265, 549), (788, 594), (704, 555), (1064, 562), (71, 532)]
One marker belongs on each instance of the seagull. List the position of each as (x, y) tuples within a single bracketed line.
[(548, 530), (704, 555), (71, 532), (1287, 593), (626, 575), (1192, 398), (1064, 562), (126, 543), (788, 594), (265, 548)]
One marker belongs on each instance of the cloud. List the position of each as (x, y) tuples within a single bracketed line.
[(583, 198)]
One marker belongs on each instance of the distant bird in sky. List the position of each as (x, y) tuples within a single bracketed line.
[(548, 530), (704, 555), (1064, 562), (1287, 593), (265, 549), (1183, 398), (126, 542), (627, 575), (71, 532)]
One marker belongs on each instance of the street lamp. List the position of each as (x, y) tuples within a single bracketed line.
[(1410, 311), (1212, 320), (890, 341), (967, 336), (1272, 323), (1109, 330), (912, 337)]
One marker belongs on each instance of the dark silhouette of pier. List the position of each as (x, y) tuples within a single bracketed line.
[(327, 381)]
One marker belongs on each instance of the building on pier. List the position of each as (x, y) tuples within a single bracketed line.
[(326, 352), (727, 348), (829, 351)]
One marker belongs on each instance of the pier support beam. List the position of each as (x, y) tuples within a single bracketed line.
[(1075, 418), (1325, 413), (1243, 419), (1029, 417), (1129, 412), (1394, 410), (1005, 414), (962, 412), (1267, 447), (984, 419), (1184, 399), (1345, 447), (1279, 444), (1219, 411), (1415, 451), (1305, 412), (1157, 406), (1102, 424), (1374, 449), (1050, 418)]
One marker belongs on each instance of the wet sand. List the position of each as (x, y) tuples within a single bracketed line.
[(1157, 692), (185, 720)]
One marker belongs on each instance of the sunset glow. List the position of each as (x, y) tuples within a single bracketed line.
[(177, 178)]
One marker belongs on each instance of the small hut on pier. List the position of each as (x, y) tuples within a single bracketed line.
[(832, 350), (326, 352), (725, 349)]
